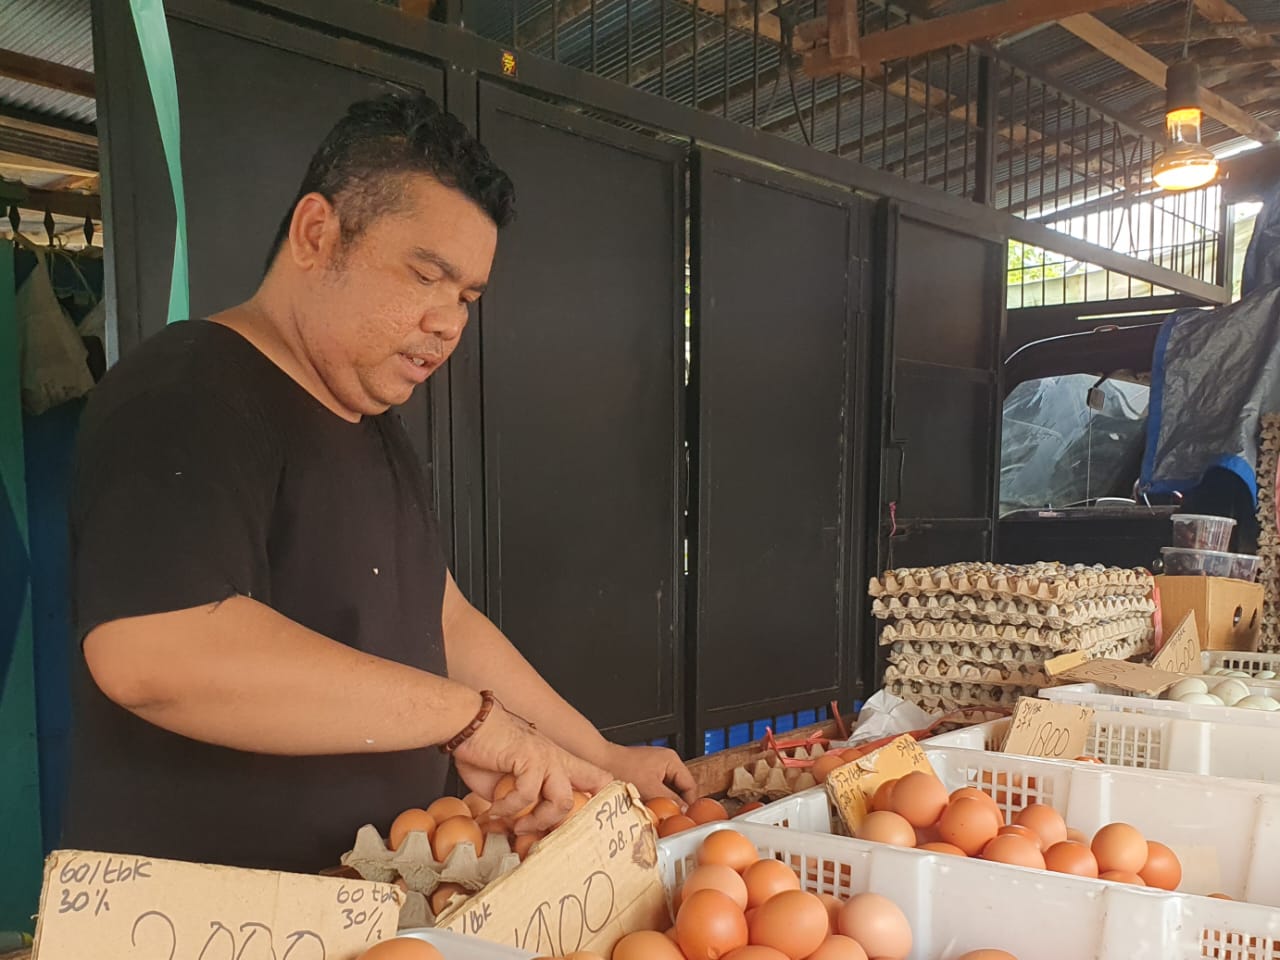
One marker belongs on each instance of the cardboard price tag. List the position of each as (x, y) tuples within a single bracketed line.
[(1042, 728), (1133, 677), (133, 908), (1181, 652), (851, 787), (585, 886)]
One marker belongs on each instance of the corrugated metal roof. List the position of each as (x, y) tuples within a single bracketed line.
[(56, 30)]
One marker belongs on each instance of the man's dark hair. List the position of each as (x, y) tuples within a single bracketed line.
[(361, 164)]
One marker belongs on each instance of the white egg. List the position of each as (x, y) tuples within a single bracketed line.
[(1265, 674), (1217, 671), (1258, 703), (1238, 673), (1202, 699), (1186, 685), (1230, 690)]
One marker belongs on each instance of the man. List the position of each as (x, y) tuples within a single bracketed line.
[(273, 647)]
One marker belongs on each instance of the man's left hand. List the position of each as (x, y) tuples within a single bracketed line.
[(656, 772)]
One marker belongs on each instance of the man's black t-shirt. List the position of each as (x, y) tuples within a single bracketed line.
[(203, 472)]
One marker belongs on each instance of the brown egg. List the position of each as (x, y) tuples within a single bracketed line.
[(1079, 836), (673, 825), (1071, 857), (730, 848), (927, 835), (749, 807), (524, 843), (409, 822), (646, 945), (477, 804), (1220, 896), (839, 947), (447, 807), (968, 824), (1088, 760), (988, 955), (710, 925), (1163, 869), (1045, 821), (882, 826), (504, 787), (825, 764), (793, 922), (973, 793), (1026, 833), (834, 905), (919, 798), (883, 797), (402, 948), (706, 810), (663, 807), (1119, 846), (1123, 876), (454, 831), (1014, 850), (876, 923), (717, 876), (442, 894), (766, 878), (948, 848), (756, 953)]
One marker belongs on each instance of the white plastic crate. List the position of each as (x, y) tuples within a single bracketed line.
[(1157, 743), (1238, 660), (1109, 698), (455, 946), (956, 904), (1225, 832)]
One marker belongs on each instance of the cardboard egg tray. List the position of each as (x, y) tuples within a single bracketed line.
[(414, 864), (1049, 582), (948, 695), (1032, 613), (1269, 536), (767, 781), (910, 651), (1023, 674), (1071, 638)]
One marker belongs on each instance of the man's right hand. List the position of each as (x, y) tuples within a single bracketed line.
[(545, 774)]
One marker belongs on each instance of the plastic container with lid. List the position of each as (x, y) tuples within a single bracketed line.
[(1183, 562), (1245, 567), (1194, 531)]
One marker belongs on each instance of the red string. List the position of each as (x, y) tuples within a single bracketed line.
[(893, 519)]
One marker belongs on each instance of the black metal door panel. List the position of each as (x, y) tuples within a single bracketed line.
[(582, 344), (775, 352)]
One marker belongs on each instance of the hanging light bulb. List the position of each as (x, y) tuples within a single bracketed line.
[(1185, 163)]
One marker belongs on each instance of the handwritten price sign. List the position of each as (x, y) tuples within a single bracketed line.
[(1042, 728), (1181, 652), (132, 908)]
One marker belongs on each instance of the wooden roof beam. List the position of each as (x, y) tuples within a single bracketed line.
[(956, 29), (46, 73), (1223, 11), (1123, 50)]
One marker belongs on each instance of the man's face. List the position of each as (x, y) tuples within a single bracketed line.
[(388, 308)]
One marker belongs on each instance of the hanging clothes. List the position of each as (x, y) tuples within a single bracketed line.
[(55, 365)]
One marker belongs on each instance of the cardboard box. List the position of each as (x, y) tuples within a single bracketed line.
[(102, 905), (1228, 612), (591, 882)]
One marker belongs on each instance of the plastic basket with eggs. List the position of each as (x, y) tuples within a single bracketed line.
[(884, 901), (1207, 835), (1165, 743), (1104, 697)]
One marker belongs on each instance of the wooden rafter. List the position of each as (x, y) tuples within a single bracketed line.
[(1223, 11), (1241, 31), (46, 73), (48, 131), (922, 36), (1124, 51), (18, 161)]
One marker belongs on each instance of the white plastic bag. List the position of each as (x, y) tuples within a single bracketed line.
[(54, 359)]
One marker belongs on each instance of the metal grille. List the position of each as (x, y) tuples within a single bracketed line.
[(1045, 155)]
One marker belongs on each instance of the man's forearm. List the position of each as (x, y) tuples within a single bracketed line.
[(241, 675), (481, 657)]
